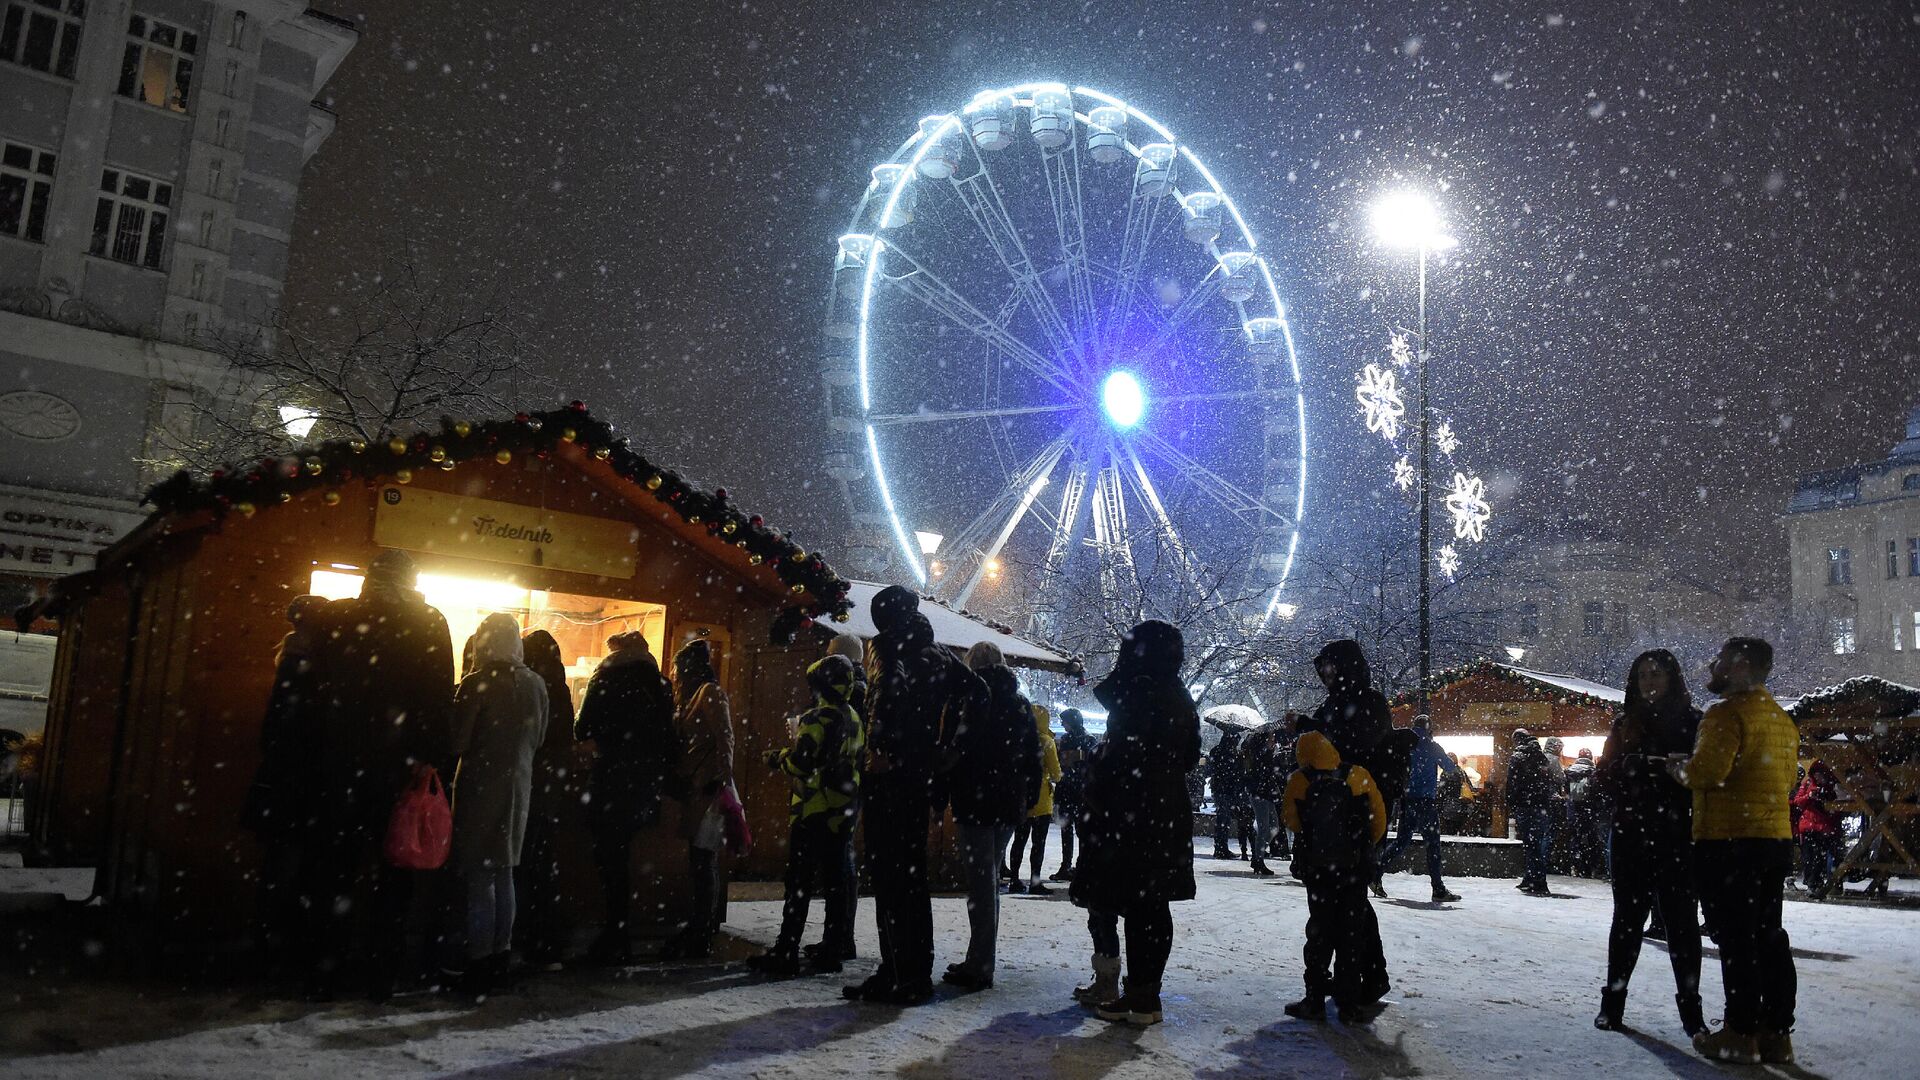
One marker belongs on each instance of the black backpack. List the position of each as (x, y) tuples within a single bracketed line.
[(1336, 826)]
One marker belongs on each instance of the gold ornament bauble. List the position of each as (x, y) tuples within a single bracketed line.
[(568, 435), (438, 453), (654, 482), (331, 498), (448, 465), (602, 453), (396, 446), (754, 560), (841, 616), (799, 556), (314, 466), (358, 446), (503, 456), (730, 528), (798, 589), (462, 428), (403, 476), (246, 509)]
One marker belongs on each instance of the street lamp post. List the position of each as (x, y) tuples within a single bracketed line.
[(1408, 220)]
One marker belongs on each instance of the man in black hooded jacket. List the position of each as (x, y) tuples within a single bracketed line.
[(911, 682)]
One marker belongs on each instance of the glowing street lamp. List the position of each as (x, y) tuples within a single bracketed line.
[(1409, 220)]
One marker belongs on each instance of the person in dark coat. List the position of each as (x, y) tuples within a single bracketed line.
[(991, 764), (386, 664), (1076, 748), (1584, 811), (281, 803), (1230, 803), (499, 721), (1530, 787), (1137, 839), (1340, 817), (1259, 764), (703, 722), (1358, 721), (911, 685), (627, 714), (541, 931), (1652, 834)]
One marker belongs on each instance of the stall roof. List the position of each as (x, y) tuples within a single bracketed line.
[(1571, 684), (954, 630), (1549, 681)]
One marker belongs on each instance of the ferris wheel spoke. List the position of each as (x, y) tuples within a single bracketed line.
[(1073, 497), (1224, 395), (1119, 580), (942, 299), (1143, 217), (1184, 560), (895, 419), (983, 203), (1218, 488), (1188, 307), (1069, 222), (1014, 501)]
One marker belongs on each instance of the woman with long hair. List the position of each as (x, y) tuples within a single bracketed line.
[(499, 720), (557, 786), (1652, 834), (704, 723)]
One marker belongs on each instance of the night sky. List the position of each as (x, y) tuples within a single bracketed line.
[(1686, 270)]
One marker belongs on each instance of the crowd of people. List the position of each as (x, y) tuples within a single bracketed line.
[(1690, 815)]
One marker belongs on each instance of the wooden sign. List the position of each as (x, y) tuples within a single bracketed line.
[(502, 532)]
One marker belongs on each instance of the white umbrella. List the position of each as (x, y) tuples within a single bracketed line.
[(1233, 717)]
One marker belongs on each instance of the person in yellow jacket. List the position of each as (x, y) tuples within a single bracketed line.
[(1339, 817), (1040, 818), (1741, 774)]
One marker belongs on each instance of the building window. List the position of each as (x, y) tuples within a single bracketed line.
[(1913, 556), (26, 182), (157, 67), (1899, 634), (1593, 619), (1910, 482), (1619, 619), (237, 30), (130, 220), (43, 34), (1839, 566), (1529, 620), (1842, 635), (1893, 560)]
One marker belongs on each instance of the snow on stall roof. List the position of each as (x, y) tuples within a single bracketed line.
[(1569, 683), (952, 629)]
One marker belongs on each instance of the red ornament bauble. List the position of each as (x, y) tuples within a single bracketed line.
[(577, 406), (720, 493), (756, 521), (521, 418)]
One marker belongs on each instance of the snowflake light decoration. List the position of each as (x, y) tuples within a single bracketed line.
[(1467, 502), (1379, 397), (1403, 474), (1398, 348), (1444, 439), (1449, 561)]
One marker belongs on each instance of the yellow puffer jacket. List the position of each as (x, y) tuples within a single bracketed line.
[(1049, 765), (1742, 770)]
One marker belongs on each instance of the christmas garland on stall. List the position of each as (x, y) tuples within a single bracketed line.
[(278, 479), (1505, 674), (1860, 690)]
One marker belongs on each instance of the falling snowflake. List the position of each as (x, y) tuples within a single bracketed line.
[(1379, 397), (1467, 502), (1444, 439), (1403, 474), (1449, 561), (1398, 348)]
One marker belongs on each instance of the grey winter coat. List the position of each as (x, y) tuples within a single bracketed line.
[(499, 720)]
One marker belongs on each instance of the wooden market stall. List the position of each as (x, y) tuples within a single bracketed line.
[(166, 650), (1868, 731), (1484, 702)]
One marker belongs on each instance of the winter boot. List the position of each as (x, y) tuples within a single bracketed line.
[(1139, 1006), (1106, 982), (1733, 1047), (1311, 1007), (1776, 1048), (1063, 874), (1443, 895), (1377, 888), (1690, 1018), (1613, 1003), (1260, 868), (1036, 887)]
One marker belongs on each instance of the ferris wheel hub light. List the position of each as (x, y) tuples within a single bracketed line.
[(1123, 399)]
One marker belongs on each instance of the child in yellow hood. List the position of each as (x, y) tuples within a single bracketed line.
[(1339, 816)]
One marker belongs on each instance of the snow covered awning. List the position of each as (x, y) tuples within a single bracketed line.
[(1578, 691), (954, 630), (1570, 684)]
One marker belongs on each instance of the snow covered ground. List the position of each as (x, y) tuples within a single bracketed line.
[(1498, 985)]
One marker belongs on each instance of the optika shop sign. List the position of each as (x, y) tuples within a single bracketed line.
[(50, 536), (493, 531)]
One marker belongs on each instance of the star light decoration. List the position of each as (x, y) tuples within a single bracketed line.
[(1403, 474), (1398, 348), (1467, 502), (1379, 397), (1444, 439), (1449, 561)]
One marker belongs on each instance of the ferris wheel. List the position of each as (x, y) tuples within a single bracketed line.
[(1058, 368)]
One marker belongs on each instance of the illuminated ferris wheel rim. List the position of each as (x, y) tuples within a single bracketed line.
[(906, 164)]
